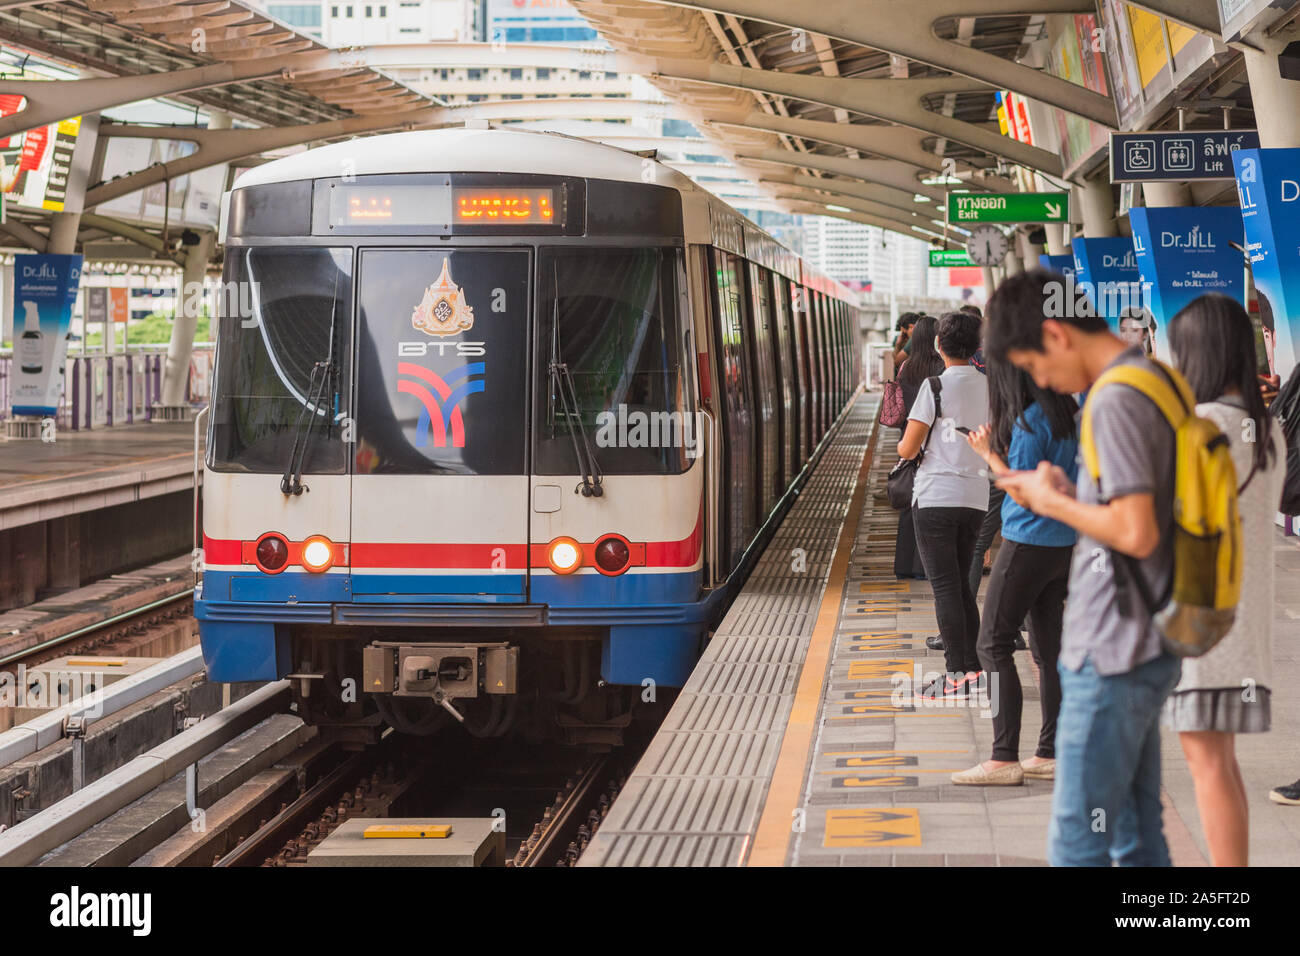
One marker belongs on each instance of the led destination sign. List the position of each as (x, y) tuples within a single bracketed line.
[(440, 205), (503, 205)]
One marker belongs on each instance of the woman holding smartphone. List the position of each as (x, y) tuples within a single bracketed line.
[(950, 495), (1030, 575)]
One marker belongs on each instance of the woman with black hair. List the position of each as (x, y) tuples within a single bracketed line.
[(1227, 691), (923, 363), (1031, 574), (950, 494)]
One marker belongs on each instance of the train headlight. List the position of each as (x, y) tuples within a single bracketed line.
[(613, 555), (317, 553), (564, 555), (271, 553)]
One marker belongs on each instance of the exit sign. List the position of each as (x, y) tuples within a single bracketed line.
[(1008, 207), (949, 258)]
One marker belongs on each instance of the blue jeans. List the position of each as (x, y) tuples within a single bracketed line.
[(1106, 801)]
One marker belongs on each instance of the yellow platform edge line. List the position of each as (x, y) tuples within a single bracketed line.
[(771, 842)]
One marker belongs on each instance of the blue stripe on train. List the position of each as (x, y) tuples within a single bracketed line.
[(654, 621)]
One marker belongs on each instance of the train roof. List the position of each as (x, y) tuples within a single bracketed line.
[(475, 149), (464, 149)]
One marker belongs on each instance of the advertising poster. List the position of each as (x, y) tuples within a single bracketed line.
[(37, 166), (1105, 269), (1062, 264), (1185, 252), (1148, 58), (1075, 56), (45, 289), (1268, 188)]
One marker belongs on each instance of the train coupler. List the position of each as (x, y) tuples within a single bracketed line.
[(439, 671)]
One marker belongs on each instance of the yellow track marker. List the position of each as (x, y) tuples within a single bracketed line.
[(406, 831)]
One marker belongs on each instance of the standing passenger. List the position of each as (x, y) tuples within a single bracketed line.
[(1031, 574), (924, 362), (1115, 672), (1226, 692), (950, 495)]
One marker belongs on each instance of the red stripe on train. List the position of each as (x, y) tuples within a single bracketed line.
[(658, 554)]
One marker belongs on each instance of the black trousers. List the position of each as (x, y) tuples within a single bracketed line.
[(946, 539), (991, 525), (1027, 579)]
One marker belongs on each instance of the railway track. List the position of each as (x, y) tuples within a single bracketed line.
[(147, 612), (120, 634)]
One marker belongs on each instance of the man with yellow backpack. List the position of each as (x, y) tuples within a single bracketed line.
[(1155, 574)]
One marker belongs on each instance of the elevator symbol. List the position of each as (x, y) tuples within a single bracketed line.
[(1180, 155)]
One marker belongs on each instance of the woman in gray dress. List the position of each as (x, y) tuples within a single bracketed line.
[(1226, 692)]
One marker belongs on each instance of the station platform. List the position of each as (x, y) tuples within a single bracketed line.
[(88, 470), (798, 741)]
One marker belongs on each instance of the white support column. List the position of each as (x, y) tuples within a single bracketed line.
[(188, 307), (63, 233), (1273, 97), (1013, 264), (990, 283), (1167, 194), (1096, 205), (1058, 239), (1029, 252)]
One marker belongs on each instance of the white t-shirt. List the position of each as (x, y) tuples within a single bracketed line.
[(951, 475)]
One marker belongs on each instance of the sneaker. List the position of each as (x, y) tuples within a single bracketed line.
[(934, 642), (1289, 795), (943, 688), (1009, 776), (1021, 645)]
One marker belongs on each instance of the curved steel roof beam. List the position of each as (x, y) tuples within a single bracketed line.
[(226, 145), (890, 142), (899, 199), (818, 209), (894, 101), (49, 101), (883, 172), (815, 196), (907, 29)]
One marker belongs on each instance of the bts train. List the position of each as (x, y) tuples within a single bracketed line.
[(499, 421)]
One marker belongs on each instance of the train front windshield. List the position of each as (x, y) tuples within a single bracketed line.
[(442, 339)]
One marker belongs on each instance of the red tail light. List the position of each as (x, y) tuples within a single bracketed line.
[(272, 553), (613, 554)]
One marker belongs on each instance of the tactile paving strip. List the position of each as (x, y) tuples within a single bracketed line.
[(695, 797)]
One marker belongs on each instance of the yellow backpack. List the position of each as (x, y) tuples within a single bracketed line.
[(1207, 528)]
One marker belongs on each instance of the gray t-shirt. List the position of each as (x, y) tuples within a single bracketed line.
[(951, 474), (1135, 451)]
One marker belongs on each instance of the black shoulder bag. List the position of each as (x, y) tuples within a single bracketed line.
[(901, 479)]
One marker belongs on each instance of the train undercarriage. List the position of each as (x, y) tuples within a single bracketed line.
[(487, 682)]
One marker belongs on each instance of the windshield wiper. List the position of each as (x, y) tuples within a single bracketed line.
[(562, 382), (321, 374)]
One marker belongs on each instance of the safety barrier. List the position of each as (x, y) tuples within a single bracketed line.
[(100, 391)]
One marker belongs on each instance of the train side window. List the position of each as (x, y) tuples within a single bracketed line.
[(734, 390), (765, 380), (786, 394)]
